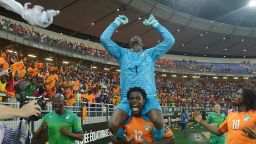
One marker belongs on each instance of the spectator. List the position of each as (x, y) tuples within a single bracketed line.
[(184, 119)]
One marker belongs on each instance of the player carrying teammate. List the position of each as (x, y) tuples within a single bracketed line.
[(137, 70), (138, 128)]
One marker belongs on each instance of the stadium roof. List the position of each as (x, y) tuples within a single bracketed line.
[(212, 28)]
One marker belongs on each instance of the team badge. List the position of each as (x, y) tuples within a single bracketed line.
[(247, 118), (68, 116), (147, 127)]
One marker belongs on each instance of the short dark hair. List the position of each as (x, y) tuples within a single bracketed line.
[(249, 98), (142, 91)]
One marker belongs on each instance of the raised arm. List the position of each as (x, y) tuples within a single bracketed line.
[(113, 49), (168, 39), (198, 117)]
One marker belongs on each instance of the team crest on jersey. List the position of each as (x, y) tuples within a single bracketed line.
[(147, 127), (247, 118), (68, 116)]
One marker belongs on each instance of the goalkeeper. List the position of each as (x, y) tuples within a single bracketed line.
[(137, 70)]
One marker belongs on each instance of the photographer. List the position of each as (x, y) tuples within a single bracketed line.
[(14, 135), (17, 135)]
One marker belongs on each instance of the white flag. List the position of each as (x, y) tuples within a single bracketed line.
[(34, 15)]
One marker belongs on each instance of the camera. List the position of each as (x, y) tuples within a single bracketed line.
[(40, 101), (20, 89)]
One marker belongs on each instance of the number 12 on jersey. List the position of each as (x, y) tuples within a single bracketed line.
[(138, 135)]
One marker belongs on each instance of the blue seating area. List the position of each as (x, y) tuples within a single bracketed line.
[(213, 67)]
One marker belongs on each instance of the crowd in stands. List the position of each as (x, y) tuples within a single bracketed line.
[(203, 92), (85, 84), (81, 48), (75, 83)]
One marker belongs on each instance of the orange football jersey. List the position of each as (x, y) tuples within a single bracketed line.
[(142, 130), (233, 125)]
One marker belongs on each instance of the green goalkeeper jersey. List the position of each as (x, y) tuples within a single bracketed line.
[(216, 119)]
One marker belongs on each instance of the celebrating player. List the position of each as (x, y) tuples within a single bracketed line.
[(241, 125), (137, 70), (138, 128)]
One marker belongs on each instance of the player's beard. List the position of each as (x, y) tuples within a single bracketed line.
[(136, 44), (57, 108), (136, 47)]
